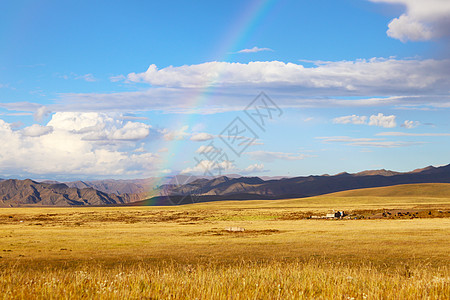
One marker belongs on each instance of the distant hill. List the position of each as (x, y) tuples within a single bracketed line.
[(183, 189), (14, 193), (297, 187), (144, 186), (432, 190), (381, 172)]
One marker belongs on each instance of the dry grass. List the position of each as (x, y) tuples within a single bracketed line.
[(314, 279), (186, 253)]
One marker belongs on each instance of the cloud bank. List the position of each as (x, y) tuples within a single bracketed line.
[(374, 120), (231, 86), (90, 144)]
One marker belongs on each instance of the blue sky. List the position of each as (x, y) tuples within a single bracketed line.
[(134, 89)]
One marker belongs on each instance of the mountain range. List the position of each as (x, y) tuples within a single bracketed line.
[(27, 192), (182, 189), (223, 188)]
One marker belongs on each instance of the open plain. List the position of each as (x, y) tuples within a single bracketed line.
[(189, 252)]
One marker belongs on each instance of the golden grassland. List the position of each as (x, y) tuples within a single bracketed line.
[(185, 253)]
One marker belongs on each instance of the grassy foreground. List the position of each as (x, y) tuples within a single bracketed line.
[(244, 280), (186, 253)]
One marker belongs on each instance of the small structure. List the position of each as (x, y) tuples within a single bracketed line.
[(333, 215), (235, 229)]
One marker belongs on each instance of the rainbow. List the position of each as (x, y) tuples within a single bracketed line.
[(253, 14), (251, 17)]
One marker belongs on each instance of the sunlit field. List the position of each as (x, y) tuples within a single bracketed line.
[(186, 251)]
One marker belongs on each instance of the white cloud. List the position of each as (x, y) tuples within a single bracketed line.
[(140, 150), (382, 121), (374, 120), (345, 139), (423, 20), (353, 119), (208, 167), (350, 76), (36, 130), (16, 124), (41, 113), (87, 77), (386, 144), (255, 168), (214, 168), (201, 137), (117, 78), (64, 150), (412, 134), (254, 49), (207, 149), (367, 142), (170, 135), (410, 124), (412, 82), (268, 156), (99, 126)]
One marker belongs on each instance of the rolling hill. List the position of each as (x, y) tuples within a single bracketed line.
[(431, 190), (431, 180), (299, 187)]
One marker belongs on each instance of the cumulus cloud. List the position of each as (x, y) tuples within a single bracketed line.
[(99, 126), (423, 20), (382, 121), (207, 149), (201, 137), (255, 168), (208, 167), (395, 82), (254, 50), (374, 120), (410, 124), (353, 119), (36, 130), (170, 135), (401, 83), (41, 113), (60, 147), (342, 75), (215, 168), (268, 156)]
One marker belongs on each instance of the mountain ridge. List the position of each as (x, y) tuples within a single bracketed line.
[(181, 188), (14, 193), (307, 186)]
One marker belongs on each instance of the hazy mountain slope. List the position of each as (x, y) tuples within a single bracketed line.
[(28, 192), (382, 172), (131, 186), (433, 190), (307, 186), (15, 193)]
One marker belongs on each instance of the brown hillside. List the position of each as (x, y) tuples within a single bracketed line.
[(14, 193), (432, 190)]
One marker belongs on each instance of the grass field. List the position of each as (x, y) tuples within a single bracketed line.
[(185, 252)]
